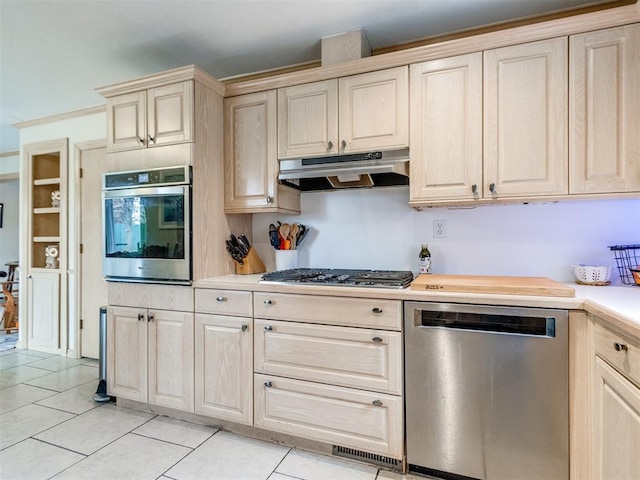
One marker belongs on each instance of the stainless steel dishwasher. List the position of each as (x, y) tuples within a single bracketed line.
[(487, 391)]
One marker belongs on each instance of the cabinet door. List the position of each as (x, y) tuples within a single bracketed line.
[(617, 425), (446, 128), (127, 122), (308, 120), (341, 416), (127, 353), (250, 156), (354, 357), (44, 311), (525, 119), (224, 368), (374, 110), (605, 111), (171, 359), (170, 114)]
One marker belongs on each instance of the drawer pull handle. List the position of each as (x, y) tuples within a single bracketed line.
[(620, 347), (377, 403), (268, 384), (377, 310), (268, 328), (220, 299), (140, 317), (245, 327), (377, 339), (268, 302)]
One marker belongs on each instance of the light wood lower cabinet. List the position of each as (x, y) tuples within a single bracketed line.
[(150, 356), (337, 415), (329, 369), (356, 357), (616, 405), (617, 425), (224, 367)]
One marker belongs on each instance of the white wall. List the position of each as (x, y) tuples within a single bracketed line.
[(10, 231), (9, 197), (376, 229)]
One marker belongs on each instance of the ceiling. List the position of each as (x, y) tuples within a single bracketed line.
[(54, 53)]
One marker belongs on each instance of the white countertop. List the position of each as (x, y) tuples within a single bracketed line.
[(619, 305)]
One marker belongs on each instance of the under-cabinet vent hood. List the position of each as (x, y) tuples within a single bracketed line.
[(371, 169)]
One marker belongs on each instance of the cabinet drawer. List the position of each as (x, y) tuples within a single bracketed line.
[(620, 351), (353, 357), (340, 416), (355, 312), (223, 302)]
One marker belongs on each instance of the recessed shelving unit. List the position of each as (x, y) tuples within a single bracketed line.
[(45, 222)]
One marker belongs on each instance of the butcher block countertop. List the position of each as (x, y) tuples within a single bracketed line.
[(620, 305)]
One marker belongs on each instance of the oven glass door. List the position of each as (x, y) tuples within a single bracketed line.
[(147, 233)]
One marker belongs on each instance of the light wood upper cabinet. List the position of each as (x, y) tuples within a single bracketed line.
[(151, 118), (446, 129), (374, 110), (525, 119), (360, 113), (605, 111), (250, 157), (308, 120)]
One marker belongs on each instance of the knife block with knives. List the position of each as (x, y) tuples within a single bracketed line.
[(252, 263), (245, 257)]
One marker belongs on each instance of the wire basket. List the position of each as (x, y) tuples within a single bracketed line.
[(627, 257)]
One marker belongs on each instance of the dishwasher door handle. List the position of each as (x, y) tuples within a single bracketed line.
[(508, 323)]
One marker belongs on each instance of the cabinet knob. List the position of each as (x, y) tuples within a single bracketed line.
[(377, 310), (268, 328), (141, 140), (377, 403), (268, 302), (140, 317), (377, 339), (151, 318), (245, 327), (152, 139), (268, 384), (330, 145), (344, 144), (269, 199), (620, 347), (474, 188), (492, 188), (220, 299)]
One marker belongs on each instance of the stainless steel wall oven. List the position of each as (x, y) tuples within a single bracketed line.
[(147, 226)]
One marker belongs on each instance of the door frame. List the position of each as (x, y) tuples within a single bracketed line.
[(75, 281)]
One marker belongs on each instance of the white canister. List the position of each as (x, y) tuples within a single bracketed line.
[(286, 259)]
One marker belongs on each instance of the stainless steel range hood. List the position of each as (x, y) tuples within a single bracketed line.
[(371, 169)]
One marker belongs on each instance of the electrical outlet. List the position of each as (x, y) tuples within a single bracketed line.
[(439, 229)]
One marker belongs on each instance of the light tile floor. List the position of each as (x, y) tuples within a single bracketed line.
[(50, 427)]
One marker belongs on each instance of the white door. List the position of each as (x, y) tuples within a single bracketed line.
[(93, 288)]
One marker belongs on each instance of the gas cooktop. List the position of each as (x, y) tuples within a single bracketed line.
[(341, 277)]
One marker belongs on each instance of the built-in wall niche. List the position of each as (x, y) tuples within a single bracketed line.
[(44, 258)]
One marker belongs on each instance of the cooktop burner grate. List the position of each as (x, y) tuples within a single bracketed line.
[(344, 277)]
